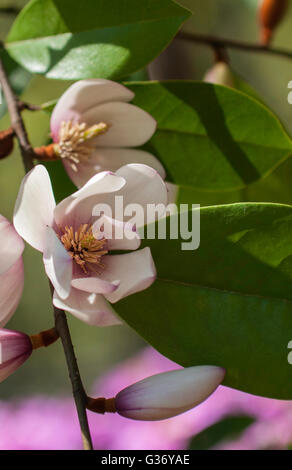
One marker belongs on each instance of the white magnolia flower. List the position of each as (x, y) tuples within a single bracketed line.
[(78, 261), (95, 128)]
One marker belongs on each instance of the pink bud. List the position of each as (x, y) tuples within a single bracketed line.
[(15, 348), (221, 74), (166, 395)]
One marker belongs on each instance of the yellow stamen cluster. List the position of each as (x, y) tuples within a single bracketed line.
[(83, 247), (75, 141)]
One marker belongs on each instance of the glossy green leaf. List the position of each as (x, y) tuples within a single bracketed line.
[(229, 303), (275, 187), (211, 137), (69, 39), (62, 185), (228, 428)]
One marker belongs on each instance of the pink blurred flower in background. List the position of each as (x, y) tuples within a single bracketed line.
[(95, 127), (51, 423), (11, 270)]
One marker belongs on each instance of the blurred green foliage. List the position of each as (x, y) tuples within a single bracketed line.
[(229, 428)]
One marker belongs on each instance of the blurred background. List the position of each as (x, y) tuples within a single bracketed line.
[(100, 350)]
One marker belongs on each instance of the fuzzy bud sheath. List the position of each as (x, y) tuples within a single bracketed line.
[(6, 142), (271, 12), (47, 153)]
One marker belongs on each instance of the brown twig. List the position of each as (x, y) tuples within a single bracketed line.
[(16, 120), (10, 10), (60, 318), (22, 105), (216, 42), (79, 394)]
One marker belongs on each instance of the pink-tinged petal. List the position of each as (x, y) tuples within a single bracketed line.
[(130, 126), (11, 287), (119, 235), (136, 272), (13, 344), (95, 285), (11, 245), (102, 183), (144, 186), (34, 208), (165, 395), (11, 366), (58, 263), (89, 308), (82, 96), (77, 208), (111, 159), (172, 192)]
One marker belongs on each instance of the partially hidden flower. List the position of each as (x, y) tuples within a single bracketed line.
[(11, 270), (78, 261), (169, 394), (221, 74), (15, 349), (95, 128)]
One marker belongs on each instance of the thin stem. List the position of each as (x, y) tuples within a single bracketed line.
[(17, 124), (23, 105), (10, 10), (79, 394), (214, 41)]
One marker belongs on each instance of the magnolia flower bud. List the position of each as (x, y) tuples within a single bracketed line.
[(271, 13), (166, 395), (15, 349), (221, 74)]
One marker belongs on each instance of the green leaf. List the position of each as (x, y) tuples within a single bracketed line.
[(275, 187), (62, 185), (228, 428), (69, 39), (229, 303), (241, 85), (211, 137)]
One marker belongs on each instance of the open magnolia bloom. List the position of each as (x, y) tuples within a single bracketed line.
[(11, 270), (76, 253), (93, 125)]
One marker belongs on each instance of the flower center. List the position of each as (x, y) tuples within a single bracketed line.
[(86, 250), (75, 141)]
